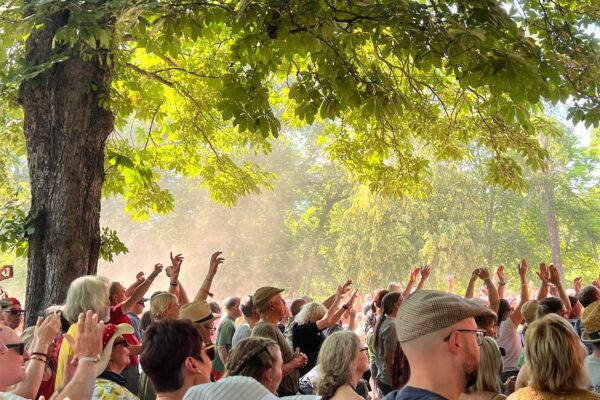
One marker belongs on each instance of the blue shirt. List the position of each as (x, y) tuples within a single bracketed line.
[(412, 393)]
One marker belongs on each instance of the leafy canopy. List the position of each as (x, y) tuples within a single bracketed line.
[(201, 87)]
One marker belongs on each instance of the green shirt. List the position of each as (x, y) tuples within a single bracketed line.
[(224, 336), (289, 384)]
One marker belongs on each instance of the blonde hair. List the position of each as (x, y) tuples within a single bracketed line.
[(490, 368), (89, 292), (555, 356), (310, 312), (335, 362), (251, 357), (159, 303)]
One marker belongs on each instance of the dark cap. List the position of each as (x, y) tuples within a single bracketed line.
[(264, 294), (428, 311)]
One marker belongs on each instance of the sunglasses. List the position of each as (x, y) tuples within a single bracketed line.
[(121, 342), (19, 347), (15, 312)]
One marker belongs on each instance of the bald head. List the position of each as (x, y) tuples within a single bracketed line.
[(456, 359)]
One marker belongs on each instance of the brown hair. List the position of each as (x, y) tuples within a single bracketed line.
[(335, 359), (251, 357)]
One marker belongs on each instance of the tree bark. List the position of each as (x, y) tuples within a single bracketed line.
[(66, 130)]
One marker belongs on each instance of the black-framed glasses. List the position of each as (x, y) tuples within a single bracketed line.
[(479, 334), (364, 348), (19, 347), (15, 312)]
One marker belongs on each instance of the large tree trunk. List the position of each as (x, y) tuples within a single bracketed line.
[(66, 130)]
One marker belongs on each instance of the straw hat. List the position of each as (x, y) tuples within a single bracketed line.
[(111, 332), (197, 312), (590, 320)]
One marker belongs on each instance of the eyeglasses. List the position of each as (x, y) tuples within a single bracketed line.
[(121, 342), (206, 348), (364, 348), (480, 334), (15, 312), (19, 347)]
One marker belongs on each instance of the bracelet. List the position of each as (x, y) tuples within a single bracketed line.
[(36, 353), (38, 359), (88, 359), (501, 283), (345, 307), (173, 284)]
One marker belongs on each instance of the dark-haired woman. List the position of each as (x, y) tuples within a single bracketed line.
[(385, 342), (174, 358)]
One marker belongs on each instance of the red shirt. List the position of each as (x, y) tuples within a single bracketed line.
[(117, 317)]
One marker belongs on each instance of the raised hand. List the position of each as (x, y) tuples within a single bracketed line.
[(350, 302), (475, 273), (554, 275), (522, 268), (451, 279), (140, 277), (425, 272), (89, 340), (215, 261), (544, 274), (577, 284), (500, 274), (415, 273), (46, 330), (177, 260), (157, 269), (346, 286), (484, 274)]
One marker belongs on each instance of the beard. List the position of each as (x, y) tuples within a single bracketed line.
[(471, 368)]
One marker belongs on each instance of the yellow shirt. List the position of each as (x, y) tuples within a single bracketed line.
[(63, 356), (527, 393)]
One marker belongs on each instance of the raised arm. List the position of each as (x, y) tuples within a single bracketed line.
[(577, 284), (411, 281), (215, 261), (328, 319), (451, 280), (425, 272), (484, 274), (346, 288), (517, 316), (141, 290), (173, 274), (46, 331), (348, 305), (501, 281), (139, 279), (471, 285), (555, 280)]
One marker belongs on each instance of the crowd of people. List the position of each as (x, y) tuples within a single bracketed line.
[(108, 341)]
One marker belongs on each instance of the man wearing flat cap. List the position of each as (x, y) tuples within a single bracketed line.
[(440, 339), (271, 308)]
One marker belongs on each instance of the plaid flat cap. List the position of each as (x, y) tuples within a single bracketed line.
[(428, 311)]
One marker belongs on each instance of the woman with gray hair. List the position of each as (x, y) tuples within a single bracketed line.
[(342, 363), (311, 321), (85, 293)]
